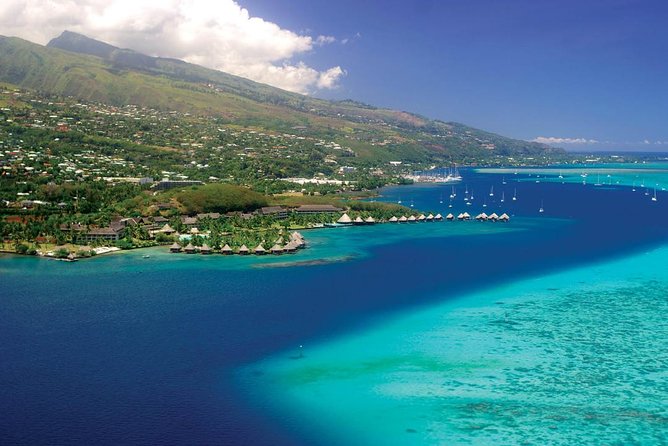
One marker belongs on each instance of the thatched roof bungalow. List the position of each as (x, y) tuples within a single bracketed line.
[(259, 250), (438, 217), (403, 219), (175, 248), (243, 250), (344, 220), (412, 219), (226, 250), (504, 217), (369, 220), (190, 249), (393, 219), (277, 249), (205, 249), (358, 221)]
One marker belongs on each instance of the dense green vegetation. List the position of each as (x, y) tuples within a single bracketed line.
[(220, 198), (73, 65)]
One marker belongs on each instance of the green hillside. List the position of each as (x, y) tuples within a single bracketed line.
[(120, 77)]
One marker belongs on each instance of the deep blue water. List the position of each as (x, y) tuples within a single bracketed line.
[(116, 351)]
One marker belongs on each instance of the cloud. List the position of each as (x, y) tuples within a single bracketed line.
[(219, 34), (556, 140)]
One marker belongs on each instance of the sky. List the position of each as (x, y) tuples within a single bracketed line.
[(584, 75)]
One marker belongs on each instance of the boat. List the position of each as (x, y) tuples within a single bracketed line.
[(399, 200), (633, 189), (491, 192), (503, 197), (412, 205), (560, 175), (598, 181), (515, 195), (146, 256), (541, 210), (503, 180), (484, 204), (654, 197), (441, 200)]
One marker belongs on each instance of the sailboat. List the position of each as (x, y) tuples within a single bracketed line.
[(471, 197), (491, 192), (654, 197), (560, 175), (598, 180), (412, 205), (634, 187), (541, 210), (503, 181), (484, 204), (503, 197), (515, 195), (399, 200), (441, 200)]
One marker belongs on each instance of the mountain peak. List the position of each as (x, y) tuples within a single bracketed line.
[(78, 43)]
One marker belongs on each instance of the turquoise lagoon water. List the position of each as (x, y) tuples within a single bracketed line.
[(577, 357), (405, 338), (645, 177)]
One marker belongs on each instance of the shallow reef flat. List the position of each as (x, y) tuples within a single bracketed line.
[(576, 357)]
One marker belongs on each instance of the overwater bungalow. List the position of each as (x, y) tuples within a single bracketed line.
[(244, 251), (412, 219), (290, 247), (481, 217), (277, 249), (421, 218), (467, 216), (190, 249), (430, 217), (205, 249), (450, 217), (493, 217), (358, 221), (393, 219), (403, 219), (175, 248), (344, 220), (438, 217), (369, 220), (460, 216), (226, 250), (259, 250), (504, 217)]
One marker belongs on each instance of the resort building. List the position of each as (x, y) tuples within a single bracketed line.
[(274, 211), (317, 209)]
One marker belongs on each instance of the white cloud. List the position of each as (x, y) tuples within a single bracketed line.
[(556, 140), (324, 40), (218, 34)]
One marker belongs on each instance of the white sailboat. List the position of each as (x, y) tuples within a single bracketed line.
[(515, 195), (503, 180), (491, 192), (633, 189), (503, 197), (560, 175), (654, 197), (541, 210)]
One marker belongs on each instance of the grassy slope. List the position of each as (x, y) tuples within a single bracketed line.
[(174, 85)]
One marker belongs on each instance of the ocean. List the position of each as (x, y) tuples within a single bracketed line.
[(542, 330)]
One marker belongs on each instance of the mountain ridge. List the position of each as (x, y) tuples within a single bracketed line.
[(78, 66)]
